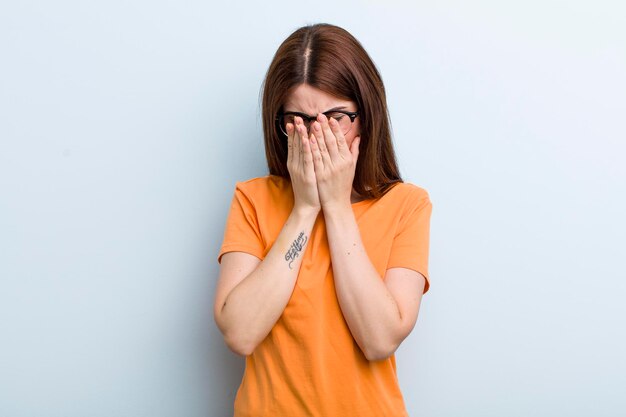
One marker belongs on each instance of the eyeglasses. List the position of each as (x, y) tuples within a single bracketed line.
[(344, 118)]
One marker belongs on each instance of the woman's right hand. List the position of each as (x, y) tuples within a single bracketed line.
[(300, 166)]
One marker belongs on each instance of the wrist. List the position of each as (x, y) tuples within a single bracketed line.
[(337, 209), (306, 212)]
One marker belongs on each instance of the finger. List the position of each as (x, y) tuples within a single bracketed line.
[(354, 148), (318, 162), (303, 139), (329, 135), (290, 135), (321, 142), (342, 145), (307, 157), (297, 141)]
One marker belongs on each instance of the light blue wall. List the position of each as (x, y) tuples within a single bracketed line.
[(125, 124)]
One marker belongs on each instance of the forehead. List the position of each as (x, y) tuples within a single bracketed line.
[(310, 100)]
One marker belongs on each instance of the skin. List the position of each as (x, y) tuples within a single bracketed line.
[(251, 294), (311, 101)]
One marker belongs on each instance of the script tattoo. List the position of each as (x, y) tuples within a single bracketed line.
[(296, 248)]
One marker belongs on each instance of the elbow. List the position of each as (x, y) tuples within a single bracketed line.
[(238, 346), (236, 343), (387, 346), (379, 353)]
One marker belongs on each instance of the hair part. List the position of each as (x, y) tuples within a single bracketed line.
[(330, 59)]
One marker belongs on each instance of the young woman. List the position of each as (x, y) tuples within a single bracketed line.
[(325, 260)]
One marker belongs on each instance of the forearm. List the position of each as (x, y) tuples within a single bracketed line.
[(252, 308), (368, 307)]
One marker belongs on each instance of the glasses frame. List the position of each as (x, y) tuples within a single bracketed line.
[(279, 118)]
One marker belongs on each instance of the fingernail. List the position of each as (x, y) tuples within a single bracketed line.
[(317, 127)]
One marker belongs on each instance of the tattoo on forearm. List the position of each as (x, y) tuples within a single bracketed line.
[(296, 248)]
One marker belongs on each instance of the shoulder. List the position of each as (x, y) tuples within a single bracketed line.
[(267, 182), (407, 193), (268, 189)]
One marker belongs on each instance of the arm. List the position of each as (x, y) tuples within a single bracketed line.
[(380, 314), (251, 296)]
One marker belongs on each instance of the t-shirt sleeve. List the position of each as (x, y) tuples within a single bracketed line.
[(410, 245), (242, 232)]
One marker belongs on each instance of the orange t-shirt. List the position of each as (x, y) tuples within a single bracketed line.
[(309, 364)]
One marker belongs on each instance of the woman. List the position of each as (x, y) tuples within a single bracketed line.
[(324, 261)]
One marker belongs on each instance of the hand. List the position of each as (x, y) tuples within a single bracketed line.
[(333, 161), (300, 166)]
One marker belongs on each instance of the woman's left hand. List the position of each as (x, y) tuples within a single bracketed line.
[(333, 161)]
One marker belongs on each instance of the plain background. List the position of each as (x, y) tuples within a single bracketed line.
[(125, 124)]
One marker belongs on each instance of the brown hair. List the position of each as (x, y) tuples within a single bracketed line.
[(330, 59)]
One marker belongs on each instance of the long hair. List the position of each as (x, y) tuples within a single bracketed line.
[(330, 59)]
